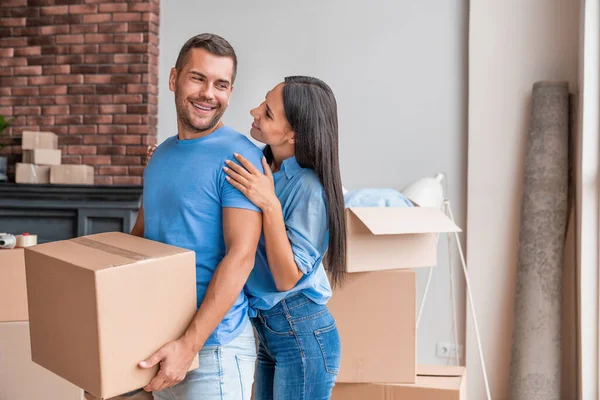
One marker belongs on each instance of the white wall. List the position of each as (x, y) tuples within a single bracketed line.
[(512, 44), (398, 69), (588, 197)]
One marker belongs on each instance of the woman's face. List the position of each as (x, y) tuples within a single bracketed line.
[(270, 126)]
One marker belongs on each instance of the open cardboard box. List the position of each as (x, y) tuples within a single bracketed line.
[(384, 238), (99, 304), (433, 383)]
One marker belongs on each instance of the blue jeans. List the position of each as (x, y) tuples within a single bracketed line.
[(226, 372), (299, 351)]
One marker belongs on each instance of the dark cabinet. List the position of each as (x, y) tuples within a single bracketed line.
[(57, 212)]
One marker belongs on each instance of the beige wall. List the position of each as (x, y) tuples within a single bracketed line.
[(512, 44)]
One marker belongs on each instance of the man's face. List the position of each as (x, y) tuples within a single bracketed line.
[(202, 90)]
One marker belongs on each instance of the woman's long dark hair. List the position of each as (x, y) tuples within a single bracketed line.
[(311, 110)]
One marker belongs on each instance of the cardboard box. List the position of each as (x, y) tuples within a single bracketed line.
[(42, 156), (376, 315), (20, 378), (39, 140), (433, 383), (13, 290), (99, 304), (30, 173), (72, 174), (383, 238)]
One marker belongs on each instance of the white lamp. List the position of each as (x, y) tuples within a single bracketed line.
[(426, 192), (429, 192)]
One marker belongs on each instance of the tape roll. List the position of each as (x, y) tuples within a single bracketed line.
[(7, 241), (26, 240)]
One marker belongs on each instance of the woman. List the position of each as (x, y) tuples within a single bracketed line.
[(303, 218), (300, 195)]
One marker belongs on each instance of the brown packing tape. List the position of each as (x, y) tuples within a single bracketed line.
[(26, 240), (107, 248)]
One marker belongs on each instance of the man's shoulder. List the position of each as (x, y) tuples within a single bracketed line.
[(238, 142)]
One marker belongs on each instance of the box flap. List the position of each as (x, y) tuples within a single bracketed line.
[(105, 250), (397, 220), (440, 370)]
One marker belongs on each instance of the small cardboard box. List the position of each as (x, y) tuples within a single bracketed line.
[(42, 156), (72, 174), (375, 313), (99, 304), (39, 140), (22, 379), (13, 290), (30, 173), (433, 383), (383, 238)]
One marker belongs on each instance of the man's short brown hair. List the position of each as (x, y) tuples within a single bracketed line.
[(210, 42)]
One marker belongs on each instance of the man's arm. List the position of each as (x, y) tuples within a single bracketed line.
[(241, 230), (138, 228)]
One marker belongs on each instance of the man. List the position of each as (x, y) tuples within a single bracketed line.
[(189, 203)]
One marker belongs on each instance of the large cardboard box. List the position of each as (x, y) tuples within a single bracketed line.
[(30, 173), (72, 174), (13, 290), (383, 238), (39, 140), (433, 383), (375, 314), (20, 378), (99, 304), (42, 156)]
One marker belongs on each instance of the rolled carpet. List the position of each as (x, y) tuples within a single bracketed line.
[(535, 371)]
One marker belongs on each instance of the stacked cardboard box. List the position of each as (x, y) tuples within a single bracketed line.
[(20, 378), (99, 304), (42, 162), (375, 309)]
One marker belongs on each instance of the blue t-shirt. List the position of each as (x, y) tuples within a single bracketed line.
[(184, 192), (304, 206)]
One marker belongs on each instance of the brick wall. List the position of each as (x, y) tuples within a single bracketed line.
[(86, 70)]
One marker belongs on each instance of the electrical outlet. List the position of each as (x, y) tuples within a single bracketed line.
[(448, 350)]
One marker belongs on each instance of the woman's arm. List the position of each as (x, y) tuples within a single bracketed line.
[(280, 255), (260, 189)]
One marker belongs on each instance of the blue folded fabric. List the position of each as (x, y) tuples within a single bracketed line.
[(376, 198)]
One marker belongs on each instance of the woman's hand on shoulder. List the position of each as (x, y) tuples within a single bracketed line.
[(150, 152), (258, 187)]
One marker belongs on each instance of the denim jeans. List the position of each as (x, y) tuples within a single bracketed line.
[(226, 372), (299, 351)]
